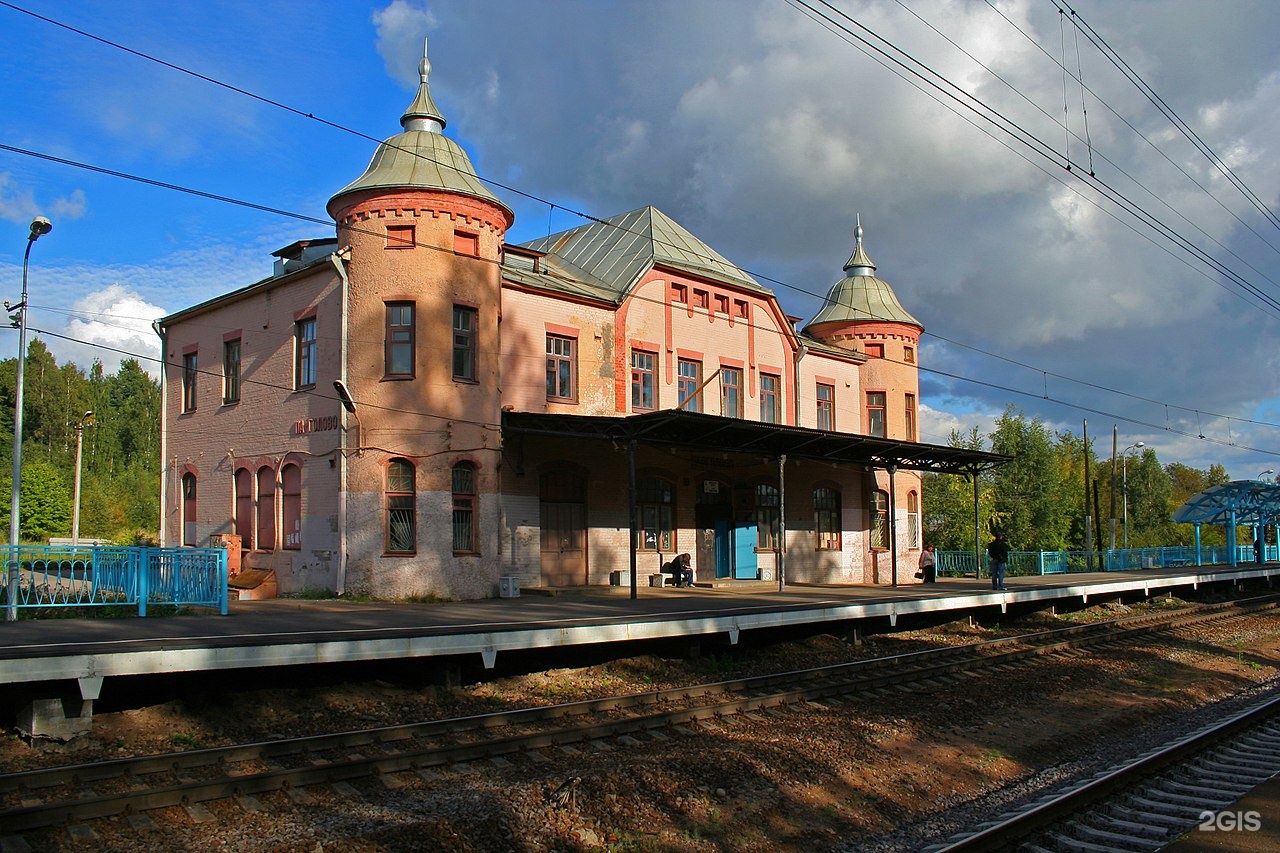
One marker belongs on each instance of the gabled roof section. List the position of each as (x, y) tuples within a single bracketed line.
[(1244, 501), (613, 254)]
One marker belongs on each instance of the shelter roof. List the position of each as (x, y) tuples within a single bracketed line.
[(1251, 502), (699, 431)]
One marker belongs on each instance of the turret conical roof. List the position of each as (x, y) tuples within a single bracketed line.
[(861, 297)]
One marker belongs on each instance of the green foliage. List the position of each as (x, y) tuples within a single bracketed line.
[(120, 460)]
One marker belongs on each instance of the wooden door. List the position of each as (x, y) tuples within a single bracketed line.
[(563, 528)]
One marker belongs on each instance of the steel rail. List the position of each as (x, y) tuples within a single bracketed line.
[(819, 683)]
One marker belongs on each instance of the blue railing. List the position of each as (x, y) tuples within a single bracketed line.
[(98, 576), (1023, 563)]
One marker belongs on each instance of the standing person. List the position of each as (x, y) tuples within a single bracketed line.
[(998, 551), (1259, 549), (928, 565)]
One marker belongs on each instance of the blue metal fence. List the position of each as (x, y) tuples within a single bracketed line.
[(961, 563), (96, 576)]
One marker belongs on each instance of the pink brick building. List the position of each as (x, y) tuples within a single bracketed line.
[(550, 411)]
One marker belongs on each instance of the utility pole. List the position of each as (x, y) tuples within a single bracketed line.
[(1088, 519), (1115, 431)]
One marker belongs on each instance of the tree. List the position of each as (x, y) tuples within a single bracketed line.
[(948, 502), (45, 508)]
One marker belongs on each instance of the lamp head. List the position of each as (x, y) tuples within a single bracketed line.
[(344, 396), (39, 227), (1141, 444)]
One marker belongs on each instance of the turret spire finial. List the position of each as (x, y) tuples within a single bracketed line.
[(859, 263), (424, 67), (423, 114)]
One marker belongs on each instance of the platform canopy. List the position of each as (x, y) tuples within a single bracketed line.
[(1239, 502), (698, 431)]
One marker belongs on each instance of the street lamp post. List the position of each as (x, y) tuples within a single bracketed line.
[(1124, 473), (1266, 473), (85, 420), (39, 227)]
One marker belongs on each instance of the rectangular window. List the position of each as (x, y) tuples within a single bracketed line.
[(399, 356), (562, 368), (231, 372), (909, 355), (826, 406), (305, 349), (701, 299), (722, 304), (879, 533), (826, 518), (465, 322), (464, 508), (770, 405), (402, 513), (687, 385), (767, 517), (740, 308), (467, 244), (655, 505), (189, 382), (291, 506), (731, 392), (680, 293), (643, 368), (400, 237), (875, 413), (911, 418), (875, 350)]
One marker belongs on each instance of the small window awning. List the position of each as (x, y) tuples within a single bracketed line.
[(698, 431), (1240, 501)]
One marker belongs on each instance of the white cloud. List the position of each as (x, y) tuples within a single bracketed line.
[(119, 321), (401, 27)]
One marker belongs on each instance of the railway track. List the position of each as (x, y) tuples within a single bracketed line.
[(1146, 803), (36, 799)]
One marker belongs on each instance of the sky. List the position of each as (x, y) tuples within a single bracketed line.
[(763, 129)]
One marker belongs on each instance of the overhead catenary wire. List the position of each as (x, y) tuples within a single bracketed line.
[(308, 115)]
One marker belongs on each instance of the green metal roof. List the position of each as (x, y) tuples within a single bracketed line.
[(612, 255), (860, 297), (421, 157)]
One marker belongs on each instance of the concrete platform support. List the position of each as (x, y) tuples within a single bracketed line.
[(60, 718)]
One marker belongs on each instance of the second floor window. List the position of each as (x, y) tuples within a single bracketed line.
[(875, 413), (189, 374), (464, 342), (231, 372), (770, 399), (911, 418), (561, 368), (399, 356), (643, 368), (826, 406), (305, 347), (731, 392), (687, 385)]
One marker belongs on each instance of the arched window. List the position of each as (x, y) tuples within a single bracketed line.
[(291, 506), (244, 508), (766, 507), (826, 518), (266, 509), (464, 508), (402, 512), (913, 520), (189, 509), (879, 506), (656, 501)]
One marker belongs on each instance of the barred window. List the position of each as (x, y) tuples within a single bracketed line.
[(464, 508), (402, 512)]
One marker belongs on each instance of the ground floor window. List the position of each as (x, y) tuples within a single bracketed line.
[(826, 518), (189, 509), (402, 513), (464, 508), (655, 500), (766, 510), (879, 519)]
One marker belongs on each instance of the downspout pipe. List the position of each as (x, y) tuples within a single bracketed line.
[(163, 334), (339, 260)]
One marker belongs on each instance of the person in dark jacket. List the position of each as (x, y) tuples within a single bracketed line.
[(928, 565), (678, 568), (998, 551)]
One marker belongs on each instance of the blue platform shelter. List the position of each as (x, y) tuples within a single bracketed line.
[(1240, 502)]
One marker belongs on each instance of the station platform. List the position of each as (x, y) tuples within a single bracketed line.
[(297, 632)]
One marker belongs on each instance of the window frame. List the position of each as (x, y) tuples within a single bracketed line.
[(913, 520), (731, 392), (909, 355), (401, 235), (656, 515), (243, 488), (465, 506), (826, 406), (828, 524), (687, 384), (190, 370), (465, 348), (291, 507), (877, 402), (644, 380), (408, 500), (265, 516), (231, 372), (305, 350), (558, 360), (770, 398), (878, 520), (400, 336), (189, 510), (911, 419), (766, 503)]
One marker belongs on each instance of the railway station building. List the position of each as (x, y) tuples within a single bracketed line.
[(414, 407)]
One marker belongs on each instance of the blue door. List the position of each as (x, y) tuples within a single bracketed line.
[(744, 552), (723, 551)]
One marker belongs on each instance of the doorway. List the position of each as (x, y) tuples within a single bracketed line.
[(563, 521)]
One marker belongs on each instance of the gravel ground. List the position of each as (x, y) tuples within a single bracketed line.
[(891, 770)]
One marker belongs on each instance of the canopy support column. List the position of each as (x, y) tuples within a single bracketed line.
[(782, 522), (893, 524)]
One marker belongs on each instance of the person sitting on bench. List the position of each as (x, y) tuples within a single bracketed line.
[(678, 568)]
